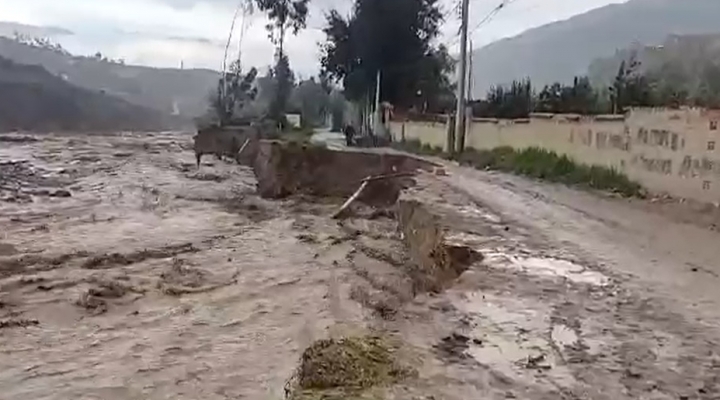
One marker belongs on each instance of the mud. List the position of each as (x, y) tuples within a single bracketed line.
[(284, 169), (18, 323), (155, 280), (224, 142), (436, 263), (114, 259)]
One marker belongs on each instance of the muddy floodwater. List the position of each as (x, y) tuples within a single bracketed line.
[(128, 273)]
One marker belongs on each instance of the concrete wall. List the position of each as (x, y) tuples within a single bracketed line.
[(672, 151), (434, 133)]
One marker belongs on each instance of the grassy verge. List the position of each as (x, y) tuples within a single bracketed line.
[(303, 134), (296, 136), (541, 164), (417, 147)]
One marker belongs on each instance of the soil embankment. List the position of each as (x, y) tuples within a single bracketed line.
[(295, 168)]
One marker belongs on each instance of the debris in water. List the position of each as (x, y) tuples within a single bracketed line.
[(61, 193), (454, 347), (113, 259), (342, 211), (183, 275), (345, 367), (537, 362), (181, 279), (18, 323), (307, 238), (94, 304), (563, 336)]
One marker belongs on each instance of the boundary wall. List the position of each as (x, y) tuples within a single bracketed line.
[(667, 151)]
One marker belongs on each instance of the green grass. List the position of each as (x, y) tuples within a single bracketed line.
[(542, 164), (295, 136)]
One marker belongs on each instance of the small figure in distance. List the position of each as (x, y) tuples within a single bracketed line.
[(349, 132)]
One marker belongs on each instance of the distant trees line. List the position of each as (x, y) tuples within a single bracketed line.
[(249, 96), (630, 88), (48, 44)]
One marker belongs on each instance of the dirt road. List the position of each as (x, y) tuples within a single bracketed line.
[(126, 273), (639, 304)]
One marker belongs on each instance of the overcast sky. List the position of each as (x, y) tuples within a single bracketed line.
[(164, 32)]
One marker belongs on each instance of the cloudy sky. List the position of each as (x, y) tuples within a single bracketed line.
[(165, 32)]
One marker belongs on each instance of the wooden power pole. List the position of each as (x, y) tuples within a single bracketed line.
[(470, 74), (461, 84)]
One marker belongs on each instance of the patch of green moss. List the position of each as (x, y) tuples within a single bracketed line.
[(346, 368)]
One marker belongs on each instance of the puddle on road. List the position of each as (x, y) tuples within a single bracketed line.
[(510, 337), (550, 267)]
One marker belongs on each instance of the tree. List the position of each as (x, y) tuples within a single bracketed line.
[(284, 15), (337, 110), (313, 101), (513, 101), (630, 88), (709, 88), (326, 83), (39, 42), (284, 82), (393, 37), (229, 101), (580, 98)]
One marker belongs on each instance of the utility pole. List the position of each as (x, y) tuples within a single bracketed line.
[(470, 73), (378, 118), (469, 97), (462, 74)]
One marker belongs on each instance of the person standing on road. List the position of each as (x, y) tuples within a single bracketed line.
[(349, 135)]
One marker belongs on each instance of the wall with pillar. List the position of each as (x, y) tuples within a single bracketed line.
[(672, 151)]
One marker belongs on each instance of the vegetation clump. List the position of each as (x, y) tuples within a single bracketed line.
[(537, 163), (548, 165), (345, 368)]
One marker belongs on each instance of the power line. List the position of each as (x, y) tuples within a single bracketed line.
[(492, 14), (456, 38), (485, 20)]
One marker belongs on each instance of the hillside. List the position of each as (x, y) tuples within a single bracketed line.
[(684, 56), (558, 51), (167, 90), (33, 99), (684, 69)]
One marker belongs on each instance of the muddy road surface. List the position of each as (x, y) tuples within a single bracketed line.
[(127, 273)]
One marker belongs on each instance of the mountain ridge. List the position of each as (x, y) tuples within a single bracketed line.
[(164, 89), (31, 98), (563, 49)]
